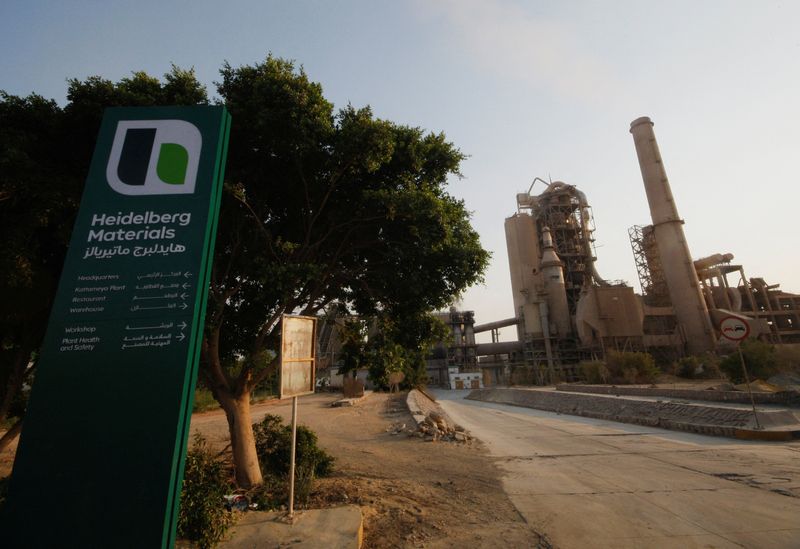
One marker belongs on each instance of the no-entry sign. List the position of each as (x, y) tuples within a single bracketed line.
[(105, 432), (734, 328)]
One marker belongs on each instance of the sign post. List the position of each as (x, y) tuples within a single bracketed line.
[(298, 357), (736, 329), (105, 432)]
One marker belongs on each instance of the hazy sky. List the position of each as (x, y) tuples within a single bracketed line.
[(525, 88)]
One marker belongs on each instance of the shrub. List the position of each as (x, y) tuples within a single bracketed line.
[(759, 357), (788, 357), (274, 446), (594, 371), (204, 400), (705, 366), (203, 518), (628, 368)]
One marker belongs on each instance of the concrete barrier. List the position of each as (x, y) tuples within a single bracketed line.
[(787, 398), (700, 419)]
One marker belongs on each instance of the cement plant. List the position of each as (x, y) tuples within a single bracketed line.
[(566, 312)]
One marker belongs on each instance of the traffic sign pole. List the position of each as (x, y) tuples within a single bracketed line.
[(749, 389), (737, 329)]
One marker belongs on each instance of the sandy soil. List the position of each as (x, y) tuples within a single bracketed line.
[(412, 493)]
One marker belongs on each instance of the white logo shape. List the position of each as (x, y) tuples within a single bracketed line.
[(170, 133)]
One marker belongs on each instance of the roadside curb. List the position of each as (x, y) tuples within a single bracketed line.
[(626, 412), (350, 401), (414, 407), (768, 436)]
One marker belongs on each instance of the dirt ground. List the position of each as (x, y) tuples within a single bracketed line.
[(412, 493)]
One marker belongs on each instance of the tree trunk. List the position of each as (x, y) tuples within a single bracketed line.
[(16, 377), (243, 442), (11, 434)]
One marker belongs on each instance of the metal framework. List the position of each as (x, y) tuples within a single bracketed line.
[(571, 226), (648, 266)]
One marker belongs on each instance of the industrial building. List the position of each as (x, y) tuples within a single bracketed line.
[(566, 312)]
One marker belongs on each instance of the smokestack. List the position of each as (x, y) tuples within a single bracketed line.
[(676, 260)]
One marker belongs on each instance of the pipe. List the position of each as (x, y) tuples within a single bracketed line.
[(535, 179), (494, 325), (548, 350), (498, 348), (711, 260), (676, 260), (553, 274)]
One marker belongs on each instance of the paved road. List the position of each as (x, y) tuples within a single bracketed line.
[(592, 483)]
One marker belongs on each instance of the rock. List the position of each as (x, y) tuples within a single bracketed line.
[(722, 387)]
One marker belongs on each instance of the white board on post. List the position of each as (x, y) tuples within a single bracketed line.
[(298, 357)]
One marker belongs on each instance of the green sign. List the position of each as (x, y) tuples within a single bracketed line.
[(100, 459)]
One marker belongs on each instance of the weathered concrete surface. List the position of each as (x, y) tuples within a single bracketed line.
[(789, 398), (734, 422), (591, 483), (419, 405), (334, 528)]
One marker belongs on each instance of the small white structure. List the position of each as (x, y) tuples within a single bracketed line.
[(465, 380)]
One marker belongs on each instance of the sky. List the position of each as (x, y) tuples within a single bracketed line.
[(526, 89)]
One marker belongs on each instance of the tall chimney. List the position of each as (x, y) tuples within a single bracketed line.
[(676, 260)]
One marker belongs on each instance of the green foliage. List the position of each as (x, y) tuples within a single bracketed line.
[(594, 372), (353, 353), (329, 207), (274, 446), (399, 344), (628, 368), (759, 357), (204, 400), (45, 151), (788, 358), (386, 357), (705, 366), (203, 518), (319, 207)]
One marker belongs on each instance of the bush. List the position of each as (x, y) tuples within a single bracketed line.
[(759, 357), (788, 357), (203, 518), (705, 366), (204, 400), (274, 446), (629, 368), (594, 372)]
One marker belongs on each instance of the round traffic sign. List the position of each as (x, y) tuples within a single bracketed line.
[(734, 328)]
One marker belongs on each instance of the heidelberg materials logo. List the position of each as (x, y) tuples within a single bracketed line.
[(154, 157)]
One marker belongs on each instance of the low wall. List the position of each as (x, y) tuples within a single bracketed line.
[(787, 398), (700, 419)]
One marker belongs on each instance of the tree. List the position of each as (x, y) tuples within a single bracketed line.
[(321, 207), (318, 207), (45, 152), (353, 337)]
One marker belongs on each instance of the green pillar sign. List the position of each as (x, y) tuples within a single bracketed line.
[(100, 459)]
